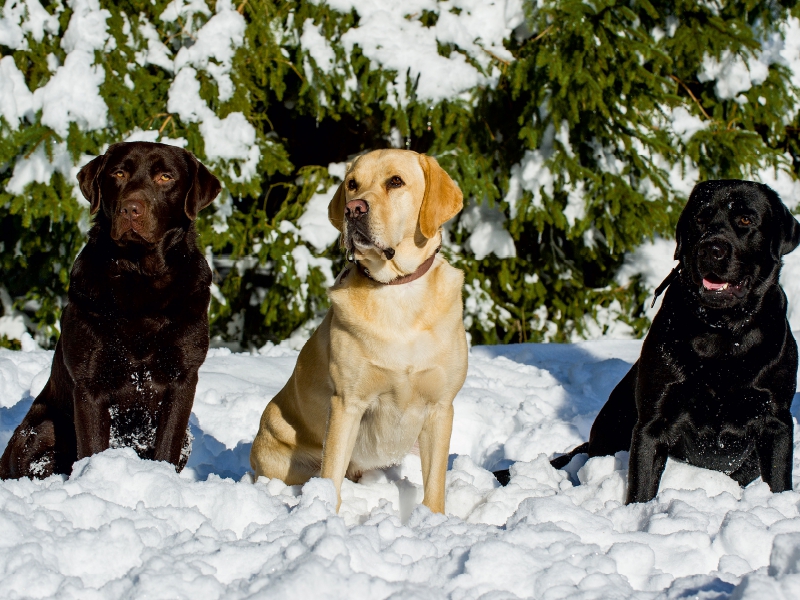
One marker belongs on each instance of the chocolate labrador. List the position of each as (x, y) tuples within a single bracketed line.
[(718, 368), (135, 330)]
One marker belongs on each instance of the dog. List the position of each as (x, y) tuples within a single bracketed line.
[(135, 330), (381, 371), (717, 372)]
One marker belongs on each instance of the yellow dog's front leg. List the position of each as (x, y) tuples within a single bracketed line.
[(434, 448), (340, 438)]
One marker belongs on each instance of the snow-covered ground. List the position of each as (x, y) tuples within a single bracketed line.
[(121, 527)]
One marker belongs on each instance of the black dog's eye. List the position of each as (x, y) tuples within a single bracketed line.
[(395, 182), (745, 221), (351, 185)]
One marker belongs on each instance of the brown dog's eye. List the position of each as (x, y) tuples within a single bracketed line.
[(395, 182), (118, 174), (745, 221), (165, 177), (351, 185)]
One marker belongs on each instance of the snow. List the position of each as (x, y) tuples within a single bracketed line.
[(16, 100), (22, 17), (532, 174), (653, 260), (73, 93), (120, 526), (487, 232), (231, 139), (685, 124), (318, 47), (215, 45), (390, 34), (732, 74), (39, 168), (314, 226)]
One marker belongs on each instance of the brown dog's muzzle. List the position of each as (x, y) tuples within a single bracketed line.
[(132, 215), (132, 210)]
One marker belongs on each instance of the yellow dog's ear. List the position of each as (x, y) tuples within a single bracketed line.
[(443, 198), (336, 208)]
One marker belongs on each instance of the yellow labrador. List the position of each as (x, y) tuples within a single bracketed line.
[(381, 371)]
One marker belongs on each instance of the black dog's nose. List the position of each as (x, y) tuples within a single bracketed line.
[(714, 249), (132, 209), (355, 209)]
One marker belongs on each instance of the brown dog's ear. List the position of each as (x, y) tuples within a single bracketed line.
[(336, 208), (442, 200), (87, 180), (205, 187)]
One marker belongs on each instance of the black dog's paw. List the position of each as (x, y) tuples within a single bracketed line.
[(503, 476), (560, 462)]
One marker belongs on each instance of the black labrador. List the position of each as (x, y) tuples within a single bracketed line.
[(135, 330), (718, 368)]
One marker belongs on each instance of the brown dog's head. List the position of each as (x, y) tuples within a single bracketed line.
[(142, 190), (731, 237), (390, 207)]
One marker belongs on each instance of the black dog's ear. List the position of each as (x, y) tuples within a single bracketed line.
[(702, 193), (790, 231), (205, 187), (87, 179), (682, 232)]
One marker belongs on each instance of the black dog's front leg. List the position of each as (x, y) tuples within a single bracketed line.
[(774, 447), (647, 460)]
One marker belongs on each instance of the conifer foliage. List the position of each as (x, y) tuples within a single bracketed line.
[(575, 129)]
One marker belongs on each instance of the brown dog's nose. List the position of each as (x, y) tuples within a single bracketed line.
[(355, 209), (132, 209)]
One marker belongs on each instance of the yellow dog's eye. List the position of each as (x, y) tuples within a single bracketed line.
[(395, 182), (351, 185)]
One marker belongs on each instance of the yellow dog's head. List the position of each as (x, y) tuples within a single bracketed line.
[(390, 208)]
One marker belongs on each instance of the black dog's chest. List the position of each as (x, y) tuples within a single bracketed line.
[(717, 419)]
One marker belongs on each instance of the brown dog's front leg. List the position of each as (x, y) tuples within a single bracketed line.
[(434, 448), (173, 420), (92, 421), (340, 438)]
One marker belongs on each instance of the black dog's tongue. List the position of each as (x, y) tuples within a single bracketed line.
[(710, 285), (737, 289)]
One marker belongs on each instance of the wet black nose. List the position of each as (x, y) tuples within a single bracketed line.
[(714, 249), (132, 209), (355, 209)]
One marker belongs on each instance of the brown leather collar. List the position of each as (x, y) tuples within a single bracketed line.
[(421, 270)]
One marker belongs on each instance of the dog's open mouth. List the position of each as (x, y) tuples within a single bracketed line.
[(719, 288)]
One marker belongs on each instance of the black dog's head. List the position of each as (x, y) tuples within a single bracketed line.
[(142, 190), (731, 236)]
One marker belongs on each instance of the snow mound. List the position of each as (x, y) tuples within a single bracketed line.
[(122, 527)]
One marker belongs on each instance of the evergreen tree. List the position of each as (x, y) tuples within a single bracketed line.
[(574, 140)]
